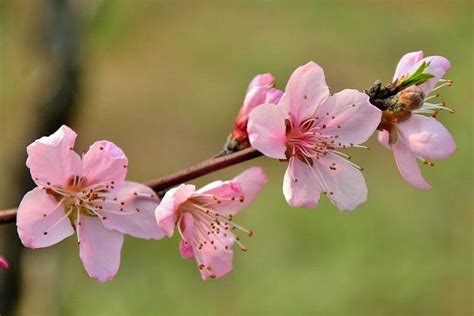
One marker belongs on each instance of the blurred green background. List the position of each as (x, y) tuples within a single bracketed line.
[(164, 80)]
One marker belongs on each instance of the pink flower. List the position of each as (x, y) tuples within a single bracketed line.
[(306, 128), (3, 263), (204, 219), (88, 195), (261, 90), (419, 136)]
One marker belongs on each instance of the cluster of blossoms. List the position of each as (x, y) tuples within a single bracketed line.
[(304, 125)]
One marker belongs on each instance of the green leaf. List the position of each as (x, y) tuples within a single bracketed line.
[(418, 77)]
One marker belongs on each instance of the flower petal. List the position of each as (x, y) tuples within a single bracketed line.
[(166, 212), (3, 263), (260, 80), (273, 96), (406, 163), (104, 163), (300, 185), (349, 116), (230, 197), (406, 64), (427, 137), (256, 93), (267, 131), (41, 222), (215, 261), (305, 90), (343, 183), (384, 139), (99, 248), (187, 229), (52, 160), (410, 62), (131, 210)]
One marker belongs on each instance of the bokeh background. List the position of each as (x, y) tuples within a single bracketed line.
[(164, 80)]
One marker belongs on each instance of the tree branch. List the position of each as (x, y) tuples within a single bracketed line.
[(161, 184)]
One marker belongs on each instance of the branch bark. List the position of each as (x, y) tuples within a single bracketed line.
[(162, 184)]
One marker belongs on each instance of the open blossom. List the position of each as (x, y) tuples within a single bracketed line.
[(3, 263), (306, 128), (260, 90), (204, 219), (413, 135), (87, 195)]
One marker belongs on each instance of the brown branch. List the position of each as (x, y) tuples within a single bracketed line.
[(8, 216), (166, 182), (202, 169)]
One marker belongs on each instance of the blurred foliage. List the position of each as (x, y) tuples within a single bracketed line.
[(163, 80)]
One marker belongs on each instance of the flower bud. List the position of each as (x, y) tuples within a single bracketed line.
[(261, 90), (411, 98), (3, 263)]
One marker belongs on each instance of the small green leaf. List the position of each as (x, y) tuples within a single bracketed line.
[(418, 77)]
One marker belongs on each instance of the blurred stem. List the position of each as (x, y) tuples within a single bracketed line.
[(58, 35), (162, 184)]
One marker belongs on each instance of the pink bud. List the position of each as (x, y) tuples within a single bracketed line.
[(273, 96), (260, 90), (3, 263), (261, 80)]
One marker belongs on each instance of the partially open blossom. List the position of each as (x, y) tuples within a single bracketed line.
[(205, 219), (260, 90), (414, 133), (3, 263), (306, 128), (87, 195)]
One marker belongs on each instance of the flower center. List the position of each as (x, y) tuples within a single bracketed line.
[(306, 141), (78, 198), (212, 228)]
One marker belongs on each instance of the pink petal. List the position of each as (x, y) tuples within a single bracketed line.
[(250, 181), (345, 186), (406, 64), (427, 137), (267, 131), (438, 67), (52, 160), (273, 96), (41, 222), (185, 250), (136, 216), (215, 263), (187, 229), (260, 80), (230, 197), (406, 163), (300, 185), (104, 163), (166, 212), (306, 89), (3, 263), (384, 138), (350, 116), (99, 248), (256, 93)]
